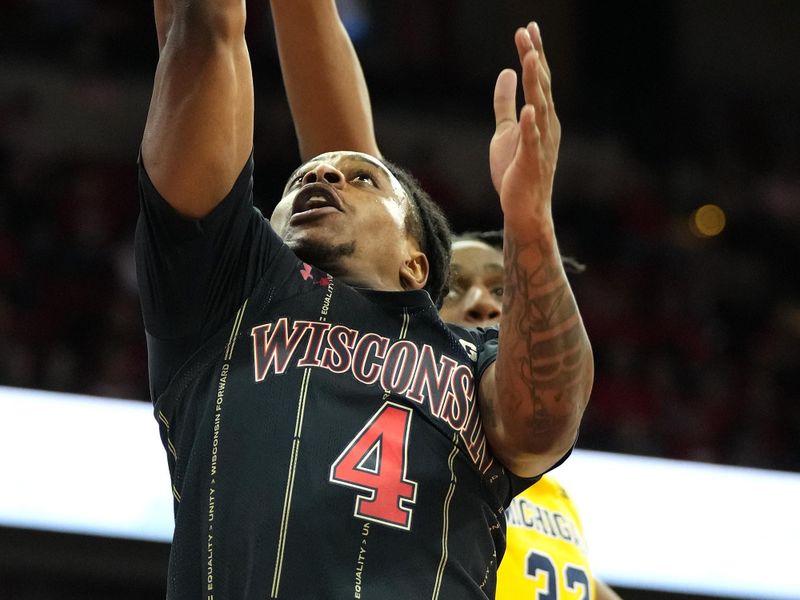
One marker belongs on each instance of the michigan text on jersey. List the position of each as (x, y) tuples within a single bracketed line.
[(524, 514)]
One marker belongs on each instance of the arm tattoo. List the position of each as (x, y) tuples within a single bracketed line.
[(546, 349)]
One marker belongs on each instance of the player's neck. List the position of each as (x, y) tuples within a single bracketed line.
[(356, 274)]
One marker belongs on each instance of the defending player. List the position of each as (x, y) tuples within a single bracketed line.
[(321, 422), (546, 553)]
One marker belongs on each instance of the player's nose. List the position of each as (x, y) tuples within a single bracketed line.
[(326, 173), (481, 308)]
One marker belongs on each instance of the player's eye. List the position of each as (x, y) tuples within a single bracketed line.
[(295, 181), (363, 177), (456, 291)]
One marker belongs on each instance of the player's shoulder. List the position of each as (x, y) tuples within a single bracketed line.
[(472, 340)]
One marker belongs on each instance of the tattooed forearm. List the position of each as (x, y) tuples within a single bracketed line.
[(544, 352)]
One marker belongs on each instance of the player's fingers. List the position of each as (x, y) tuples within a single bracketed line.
[(529, 130), (525, 49), (545, 76), (505, 99), (533, 84), (536, 38), (523, 42)]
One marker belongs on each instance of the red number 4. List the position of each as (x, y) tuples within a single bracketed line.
[(375, 462)]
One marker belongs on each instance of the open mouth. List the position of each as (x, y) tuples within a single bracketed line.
[(315, 199)]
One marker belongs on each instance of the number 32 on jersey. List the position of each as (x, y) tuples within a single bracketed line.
[(574, 582), (375, 462)]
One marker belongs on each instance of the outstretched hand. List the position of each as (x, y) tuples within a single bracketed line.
[(523, 151)]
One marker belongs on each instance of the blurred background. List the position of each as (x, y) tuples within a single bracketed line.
[(678, 186)]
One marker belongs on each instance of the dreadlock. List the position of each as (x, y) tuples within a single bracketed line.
[(427, 223)]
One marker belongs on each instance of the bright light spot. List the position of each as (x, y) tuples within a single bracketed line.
[(707, 221)]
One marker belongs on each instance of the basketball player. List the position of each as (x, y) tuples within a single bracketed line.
[(322, 424), (545, 539), (546, 553)]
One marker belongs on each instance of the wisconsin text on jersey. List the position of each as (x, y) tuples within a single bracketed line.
[(525, 514), (401, 367)]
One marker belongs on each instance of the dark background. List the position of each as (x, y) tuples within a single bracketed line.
[(665, 107)]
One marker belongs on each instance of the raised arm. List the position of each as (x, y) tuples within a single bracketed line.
[(533, 397), (199, 130), (323, 78)]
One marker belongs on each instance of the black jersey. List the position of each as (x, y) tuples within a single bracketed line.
[(323, 441)]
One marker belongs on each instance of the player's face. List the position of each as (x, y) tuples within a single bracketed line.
[(345, 213), (476, 285)]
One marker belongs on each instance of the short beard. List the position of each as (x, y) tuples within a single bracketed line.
[(325, 257)]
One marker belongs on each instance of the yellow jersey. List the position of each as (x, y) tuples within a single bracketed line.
[(546, 556)]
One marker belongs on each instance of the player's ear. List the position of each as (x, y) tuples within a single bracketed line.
[(414, 271)]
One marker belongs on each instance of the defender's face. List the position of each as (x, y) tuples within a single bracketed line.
[(342, 211), (476, 286)]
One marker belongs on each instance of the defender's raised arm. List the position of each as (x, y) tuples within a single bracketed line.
[(199, 130)]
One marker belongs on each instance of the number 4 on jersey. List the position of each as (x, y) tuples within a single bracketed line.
[(375, 462)]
